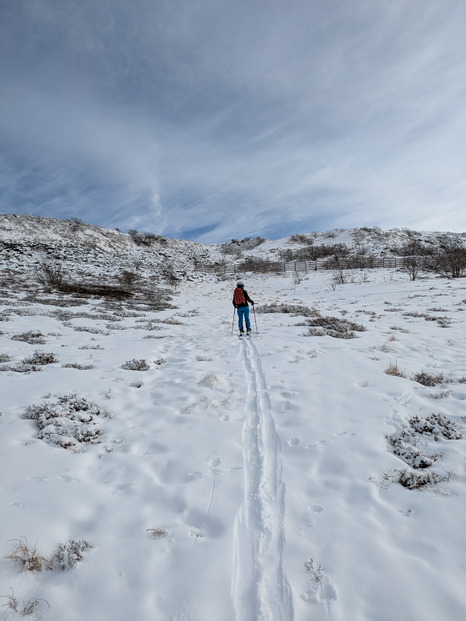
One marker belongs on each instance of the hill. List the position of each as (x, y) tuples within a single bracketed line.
[(26, 241), (93, 251)]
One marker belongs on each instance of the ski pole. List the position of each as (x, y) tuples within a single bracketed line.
[(233, 320), (255, 320)]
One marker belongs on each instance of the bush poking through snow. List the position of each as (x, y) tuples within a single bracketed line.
[(443, 394), (40, 359), (418, 480), (259, 265), (316, 569), (157, 533), (69, 554), (69, 422), (128, 278), (76, 365), (35, 363), (169, 275), (427, 379), (339, 277), (135, 365), (33, 337), (436, 425), (411, 455), (404, 444), (91, 330), (50, 274), (289, 309), (333, 326), (411, 480), (443, 322)]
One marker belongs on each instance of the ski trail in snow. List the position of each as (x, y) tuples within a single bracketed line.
[(260, 589), (212, 490)]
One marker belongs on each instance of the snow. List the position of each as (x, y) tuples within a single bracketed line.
[(238, 480)]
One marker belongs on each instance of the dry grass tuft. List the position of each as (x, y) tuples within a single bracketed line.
[(393, 369), (27, 556)]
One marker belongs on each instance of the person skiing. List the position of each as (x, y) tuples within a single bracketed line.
[(240, 302)]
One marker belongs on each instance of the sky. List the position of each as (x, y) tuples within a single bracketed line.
[(218, 119)]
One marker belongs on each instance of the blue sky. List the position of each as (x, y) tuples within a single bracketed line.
[(214, 119)]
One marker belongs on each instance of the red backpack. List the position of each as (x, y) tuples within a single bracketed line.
[(239, 296)]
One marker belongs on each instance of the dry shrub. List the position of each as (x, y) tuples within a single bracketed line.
[(135, 365), (40, 358), (315, 568), (157, 533), (69, 554), (333, 326), (50, 274), (428, 379), (35, 363), (418, 480), (71, 422), (33, 337), (288, 309), (405, 445), (437, 426)]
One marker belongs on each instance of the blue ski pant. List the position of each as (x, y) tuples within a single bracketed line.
[(243, 312)]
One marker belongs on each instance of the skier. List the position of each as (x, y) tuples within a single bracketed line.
[(240, 302)]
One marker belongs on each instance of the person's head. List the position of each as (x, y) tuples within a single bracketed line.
[(239, 284)]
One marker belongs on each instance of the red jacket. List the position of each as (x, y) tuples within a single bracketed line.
[(246, 298)]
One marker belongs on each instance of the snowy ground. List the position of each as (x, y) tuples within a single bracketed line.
[(237, 480)]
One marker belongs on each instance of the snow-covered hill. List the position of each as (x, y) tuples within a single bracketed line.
[(363, 241), (25, 241)]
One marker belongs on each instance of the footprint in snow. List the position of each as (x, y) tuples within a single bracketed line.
[(293, 441), (214, 462), (320, 592), (211, 381), (286, 406)]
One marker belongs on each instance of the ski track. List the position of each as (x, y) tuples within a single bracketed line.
[(260, 589)]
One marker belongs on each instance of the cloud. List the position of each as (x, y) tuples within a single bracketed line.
[(228, 119)]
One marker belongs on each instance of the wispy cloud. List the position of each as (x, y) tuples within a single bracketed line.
[(226, 119)]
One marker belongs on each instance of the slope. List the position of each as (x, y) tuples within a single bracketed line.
[(238, 480)]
